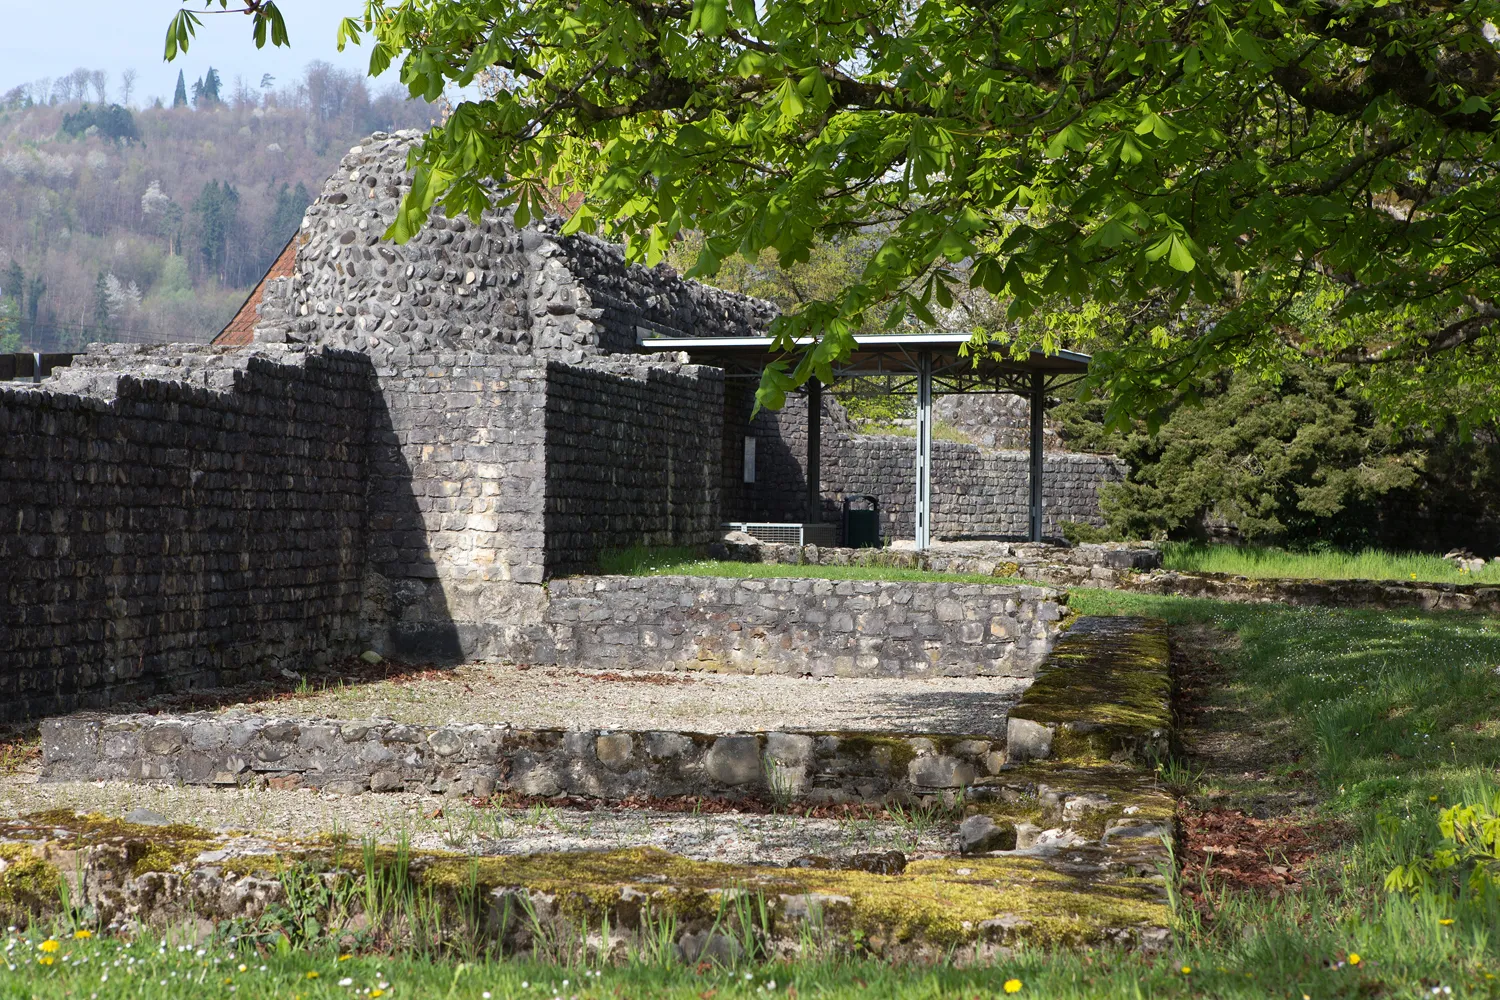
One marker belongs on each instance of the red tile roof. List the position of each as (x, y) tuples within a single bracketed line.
[(241, 329)]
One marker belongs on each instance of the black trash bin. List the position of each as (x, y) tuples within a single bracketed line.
[(862, 525)]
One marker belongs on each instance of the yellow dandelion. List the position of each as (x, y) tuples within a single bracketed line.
[(83, 935), (1187, 969), (1354, 958), (46, 960), (228, 981), (49, 946), (1012, 986), (377, 993), (312, 975), (1445, 921), (242, 966), (345, 958), (1432, 798)]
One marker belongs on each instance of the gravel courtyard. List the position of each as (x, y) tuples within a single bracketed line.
[(550, 698)]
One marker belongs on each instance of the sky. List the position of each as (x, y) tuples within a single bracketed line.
[(51, 38)]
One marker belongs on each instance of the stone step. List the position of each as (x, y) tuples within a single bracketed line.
[(383, 755)]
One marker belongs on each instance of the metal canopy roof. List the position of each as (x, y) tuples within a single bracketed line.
[(891, 359), (920, 363)]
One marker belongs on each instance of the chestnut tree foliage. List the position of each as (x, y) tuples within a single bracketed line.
[(1182, 185)]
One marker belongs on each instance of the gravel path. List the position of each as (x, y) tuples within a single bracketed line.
[(706, 703), (732, 837)]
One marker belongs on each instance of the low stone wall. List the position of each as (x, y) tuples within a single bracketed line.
[(825, 628), (1319, 593), (384, 756), (1103, 564)]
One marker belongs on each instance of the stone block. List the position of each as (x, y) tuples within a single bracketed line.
[(980, 834), (615, 750), (1027, 740), (734, 760), (940, 771)]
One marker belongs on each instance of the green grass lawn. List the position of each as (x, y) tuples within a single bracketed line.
[(1368, 564), (1358, 726), (690, 562)]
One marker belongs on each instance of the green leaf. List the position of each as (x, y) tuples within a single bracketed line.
[(183, 26), (1180, 257), (348, 31), (710, 17)]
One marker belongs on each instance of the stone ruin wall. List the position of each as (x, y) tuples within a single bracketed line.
[(461, 285), (491, 474), (976, 491), (421, 436), (173, 519), (626, 459), (191, 516)]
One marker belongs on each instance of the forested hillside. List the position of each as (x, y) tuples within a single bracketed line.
[(152, 224)]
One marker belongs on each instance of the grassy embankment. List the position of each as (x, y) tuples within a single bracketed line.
[(1367, 564), (1345, 732), (690, 562)]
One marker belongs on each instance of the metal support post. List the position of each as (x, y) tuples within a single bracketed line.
[(1038, 411), (814, 451), (924, 450)]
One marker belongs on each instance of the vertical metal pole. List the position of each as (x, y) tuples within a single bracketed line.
[(1038, 411), (814, 451), (924, 450)]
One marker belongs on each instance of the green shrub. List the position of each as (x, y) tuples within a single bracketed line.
[(1465, 861)]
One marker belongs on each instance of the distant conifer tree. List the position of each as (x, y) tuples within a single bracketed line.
[(179, 96)]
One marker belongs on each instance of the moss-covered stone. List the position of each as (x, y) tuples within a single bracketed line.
[(28, 883), (140, 848), (943, 903), (1106, 685)]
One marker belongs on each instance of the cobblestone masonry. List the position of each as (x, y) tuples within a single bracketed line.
[(177, 518), (975, 491), (384, 756), (825, 628), (460, 285)]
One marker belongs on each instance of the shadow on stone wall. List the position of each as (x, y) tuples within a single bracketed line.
[(405, 610)]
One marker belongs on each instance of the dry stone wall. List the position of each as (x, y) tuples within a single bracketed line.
[(822, 628), (176, 518), (461, 285)]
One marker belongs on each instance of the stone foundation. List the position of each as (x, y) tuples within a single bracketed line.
[(1384, 594), (350, 757), (823, 628)]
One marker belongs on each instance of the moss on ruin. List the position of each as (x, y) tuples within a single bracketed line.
[(941, 902), (28, 882), (142, 848), (1100, 689)]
